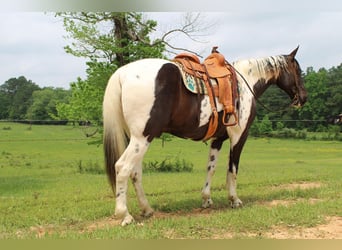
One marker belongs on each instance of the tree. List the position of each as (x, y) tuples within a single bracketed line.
[(315, 108), (334, 94), (113, 37), (108, 40), (5, 102), (16, 94), (44, 103)]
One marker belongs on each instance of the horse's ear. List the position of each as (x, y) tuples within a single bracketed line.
[(293, 53)]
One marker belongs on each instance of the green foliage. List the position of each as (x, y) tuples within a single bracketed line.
[(15, 97), (44, 103), (109, 40), (168, 165), (260, 128), (166, 137), (90, 167), (316, 85), (86, 98), (334, 133), (114, 37), (287, 133)]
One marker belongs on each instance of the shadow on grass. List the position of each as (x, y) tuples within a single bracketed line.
[(189, 205)]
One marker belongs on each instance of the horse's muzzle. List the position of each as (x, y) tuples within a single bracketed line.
[(299, 100)]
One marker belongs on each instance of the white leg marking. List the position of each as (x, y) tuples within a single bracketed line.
[(136, 176), (234, 133), (231, 186), (213, 156), (130, 160)]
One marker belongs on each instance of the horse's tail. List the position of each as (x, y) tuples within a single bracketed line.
[(115, 139)]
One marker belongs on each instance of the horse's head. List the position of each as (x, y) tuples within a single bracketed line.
[(291, 80)]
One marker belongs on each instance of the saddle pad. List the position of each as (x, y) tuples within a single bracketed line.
[(191, 84)]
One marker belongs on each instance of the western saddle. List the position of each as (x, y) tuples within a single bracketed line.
[(214, 67)]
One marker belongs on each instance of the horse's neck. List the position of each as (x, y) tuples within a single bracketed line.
[(261, 73)]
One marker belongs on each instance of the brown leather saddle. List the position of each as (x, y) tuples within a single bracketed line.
[(215, 67)]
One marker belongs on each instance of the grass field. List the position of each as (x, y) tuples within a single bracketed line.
[(49, 188)]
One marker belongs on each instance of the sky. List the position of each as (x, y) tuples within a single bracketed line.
[(31, 43)]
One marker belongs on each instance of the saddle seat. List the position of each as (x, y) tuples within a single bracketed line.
[(214, 67)]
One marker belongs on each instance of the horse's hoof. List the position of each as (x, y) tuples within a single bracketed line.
[(127, 220), (236, 203), (207, 203), (147, 213)]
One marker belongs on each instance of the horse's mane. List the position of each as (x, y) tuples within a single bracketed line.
[(261, 67)]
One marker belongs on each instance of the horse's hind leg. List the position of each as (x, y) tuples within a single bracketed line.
[(215, 147), (136, 177), (129, 165)]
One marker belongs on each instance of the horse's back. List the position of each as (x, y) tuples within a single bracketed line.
[(142, 70)]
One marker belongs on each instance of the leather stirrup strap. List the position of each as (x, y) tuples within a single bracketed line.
[(213, 122)]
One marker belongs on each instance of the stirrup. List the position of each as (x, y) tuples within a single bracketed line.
[(225, 119)]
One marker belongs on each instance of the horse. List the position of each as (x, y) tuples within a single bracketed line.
[(146, 98)]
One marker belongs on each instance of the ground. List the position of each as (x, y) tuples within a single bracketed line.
[(331, 229)]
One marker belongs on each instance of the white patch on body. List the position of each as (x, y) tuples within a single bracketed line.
[(206, 110), (138, 84)]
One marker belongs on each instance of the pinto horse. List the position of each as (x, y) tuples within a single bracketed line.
[(147, 97)]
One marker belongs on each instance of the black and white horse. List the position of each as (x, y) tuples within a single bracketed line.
[(147, 97)]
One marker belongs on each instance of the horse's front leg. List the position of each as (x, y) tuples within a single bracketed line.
[(215, 147), (236, 146), (231, 182)]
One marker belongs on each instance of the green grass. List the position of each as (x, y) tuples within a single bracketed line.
[(43, 192)]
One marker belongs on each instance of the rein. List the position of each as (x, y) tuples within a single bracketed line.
[(255, 97)]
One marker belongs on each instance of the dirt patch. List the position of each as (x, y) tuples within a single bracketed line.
[(292, 186), (331, 230), (301, 185), (101, 224), (193, 213), (287, 203), (41, 231)]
